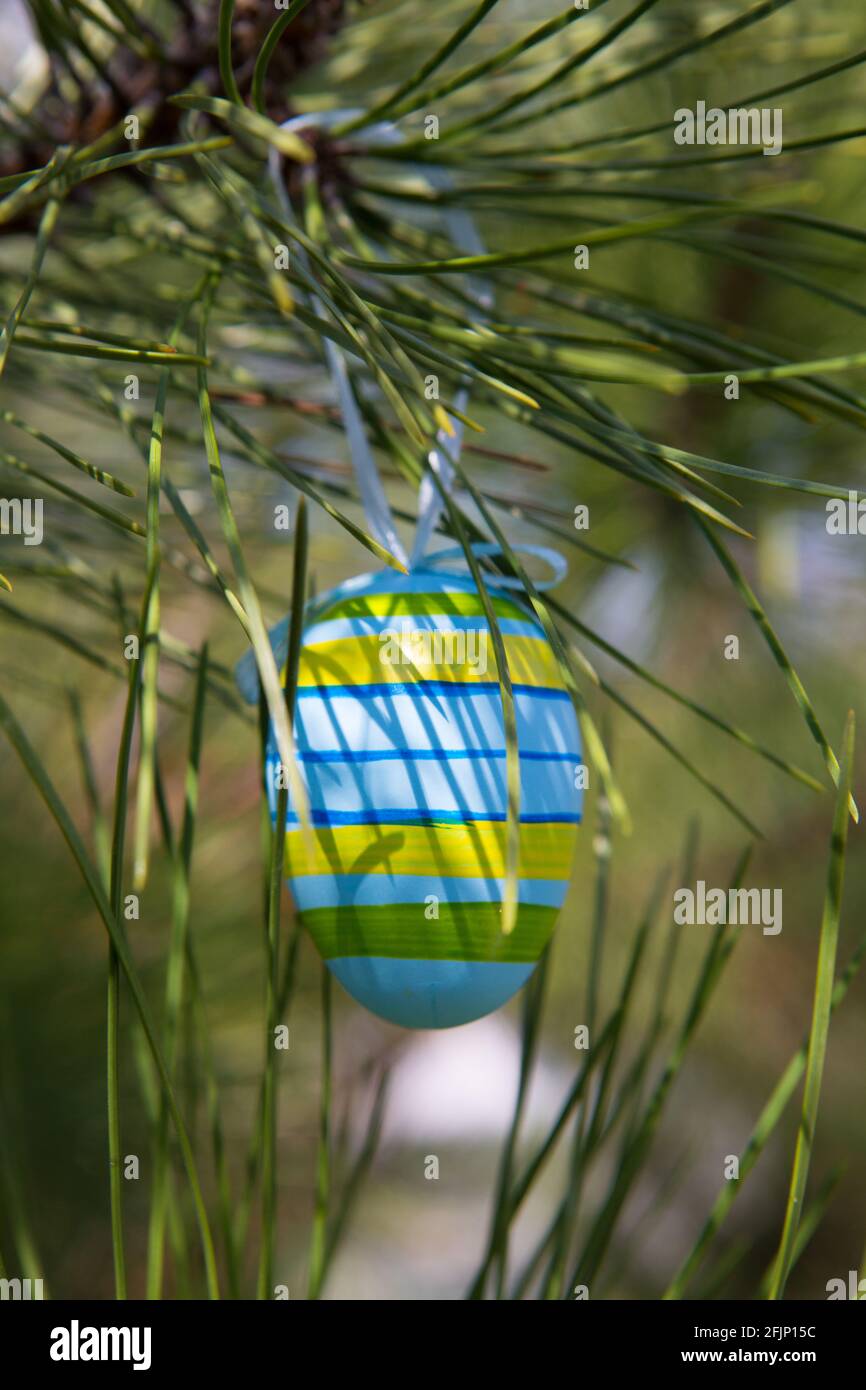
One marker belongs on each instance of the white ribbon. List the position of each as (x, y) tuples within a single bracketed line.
[(553, 558), (445, 452), (462, 231), (380, 522)]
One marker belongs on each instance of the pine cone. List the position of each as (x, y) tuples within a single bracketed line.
[(190, 56)]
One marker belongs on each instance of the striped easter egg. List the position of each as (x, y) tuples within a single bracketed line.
[(400, 741)]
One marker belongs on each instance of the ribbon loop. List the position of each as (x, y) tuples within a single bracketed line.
[(553, 558)]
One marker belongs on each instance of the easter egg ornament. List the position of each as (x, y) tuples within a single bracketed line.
[(399, 868), (401, 744)]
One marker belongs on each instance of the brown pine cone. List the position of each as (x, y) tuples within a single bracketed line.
[(191, 55)]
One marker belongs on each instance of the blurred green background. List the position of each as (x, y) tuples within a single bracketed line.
[(451, 1094)]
